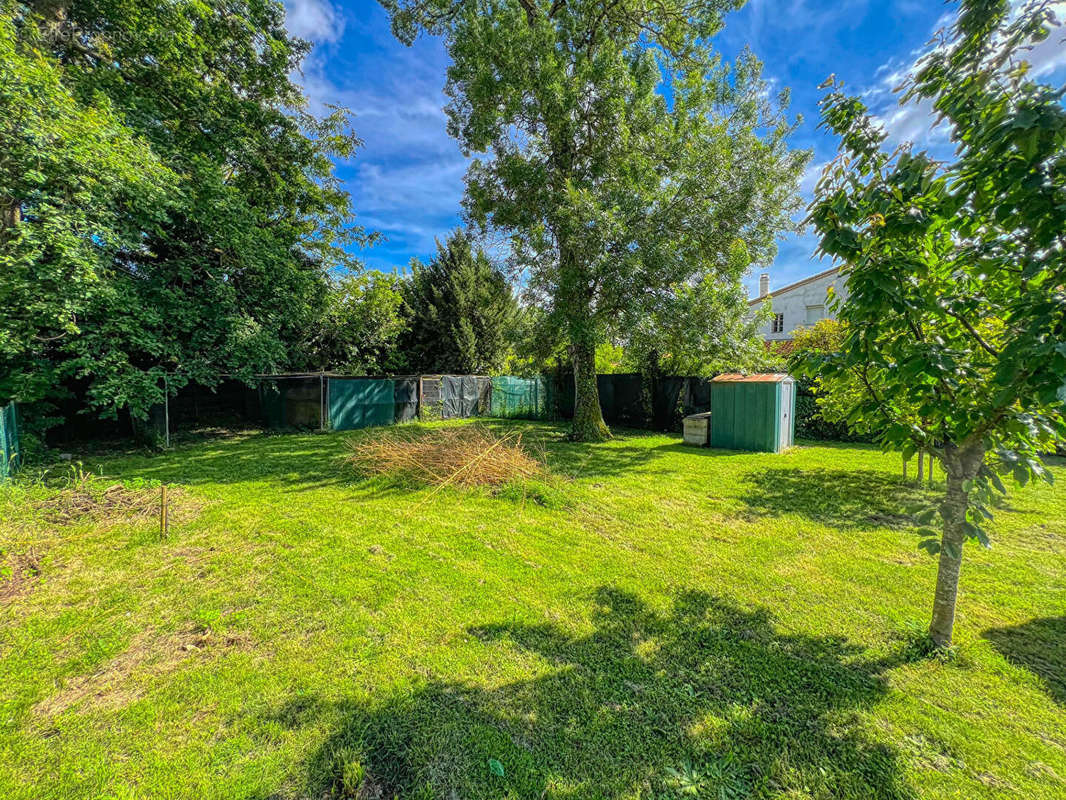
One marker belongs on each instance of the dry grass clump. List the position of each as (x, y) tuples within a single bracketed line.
[(86, 500), (47, 505), (128, 676), (86, 496), (470, 455)]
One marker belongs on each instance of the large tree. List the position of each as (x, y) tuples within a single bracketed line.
[(698, 328), (955, 323), (220, 215), (622, 156), (461, 312), (72, 178), (358, 331)]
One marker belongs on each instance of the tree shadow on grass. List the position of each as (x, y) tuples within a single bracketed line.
[(296, 461), (706, 695), (840, 498), (305, 461), (1038, 645)]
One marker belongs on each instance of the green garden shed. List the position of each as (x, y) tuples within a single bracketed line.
[(753, 412)]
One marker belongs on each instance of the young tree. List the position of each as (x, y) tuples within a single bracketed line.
[(956, 315), (461, 312), (623, 157)]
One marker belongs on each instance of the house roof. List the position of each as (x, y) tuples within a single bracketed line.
[(796, 285), (736, 377)]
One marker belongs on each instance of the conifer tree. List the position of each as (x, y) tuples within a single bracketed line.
[(461, 312)]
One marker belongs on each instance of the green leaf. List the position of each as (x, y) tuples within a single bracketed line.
[(926, 516), (495, 767), (931, 546), (1021, 474)]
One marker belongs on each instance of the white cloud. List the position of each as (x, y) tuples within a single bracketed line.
[(314, 20), (407, 179), (915, 121), (433, 187), (1049, 55), (810, 179)]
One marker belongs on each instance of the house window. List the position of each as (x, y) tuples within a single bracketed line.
[(815, 313), (778, 325)]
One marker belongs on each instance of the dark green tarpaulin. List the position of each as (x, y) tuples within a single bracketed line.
[(622, 399), (632, 400), (458, 396), (361, 403), (291, 401), (272, 404), (9, 440), (405, 398)]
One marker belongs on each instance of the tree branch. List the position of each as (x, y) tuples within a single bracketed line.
[(977, 337)]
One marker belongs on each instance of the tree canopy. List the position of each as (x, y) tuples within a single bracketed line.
[(622, 156), (460, 312), (699, 328), (169, 204), (358, 330), (955, 324)]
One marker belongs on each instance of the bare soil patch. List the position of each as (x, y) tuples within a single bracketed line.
[(17, 573)]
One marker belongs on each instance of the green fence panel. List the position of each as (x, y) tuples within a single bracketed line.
[(405, 399), (361, 403), (520, 398), (291, 401), (272, 404), (9, 440)]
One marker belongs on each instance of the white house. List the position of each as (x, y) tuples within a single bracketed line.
[(800, 304)]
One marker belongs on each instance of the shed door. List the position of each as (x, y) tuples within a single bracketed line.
[(786, 415)]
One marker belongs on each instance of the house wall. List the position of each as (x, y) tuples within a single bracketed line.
[(802, 305)]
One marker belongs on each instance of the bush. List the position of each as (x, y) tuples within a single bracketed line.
[(810, 424)]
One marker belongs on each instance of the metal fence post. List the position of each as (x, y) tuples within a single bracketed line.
[(166, 410)]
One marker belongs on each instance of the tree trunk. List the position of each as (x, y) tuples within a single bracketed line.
[(921, 465), (588, 424), (10, 213), (961, 465)]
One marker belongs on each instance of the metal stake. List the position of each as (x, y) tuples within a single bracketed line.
[(164, 527)]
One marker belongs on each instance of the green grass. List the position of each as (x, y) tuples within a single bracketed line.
[(659, 621)]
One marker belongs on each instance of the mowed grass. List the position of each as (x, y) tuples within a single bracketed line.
[(651, 621)]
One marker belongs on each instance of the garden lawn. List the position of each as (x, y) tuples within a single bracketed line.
[(651, 621)]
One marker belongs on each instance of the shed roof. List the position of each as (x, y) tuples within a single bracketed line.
[(736, 377)]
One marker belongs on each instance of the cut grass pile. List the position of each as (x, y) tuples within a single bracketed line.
[(466, 455), (690, 623)]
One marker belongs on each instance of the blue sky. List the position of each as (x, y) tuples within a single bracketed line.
[(407, 180)]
